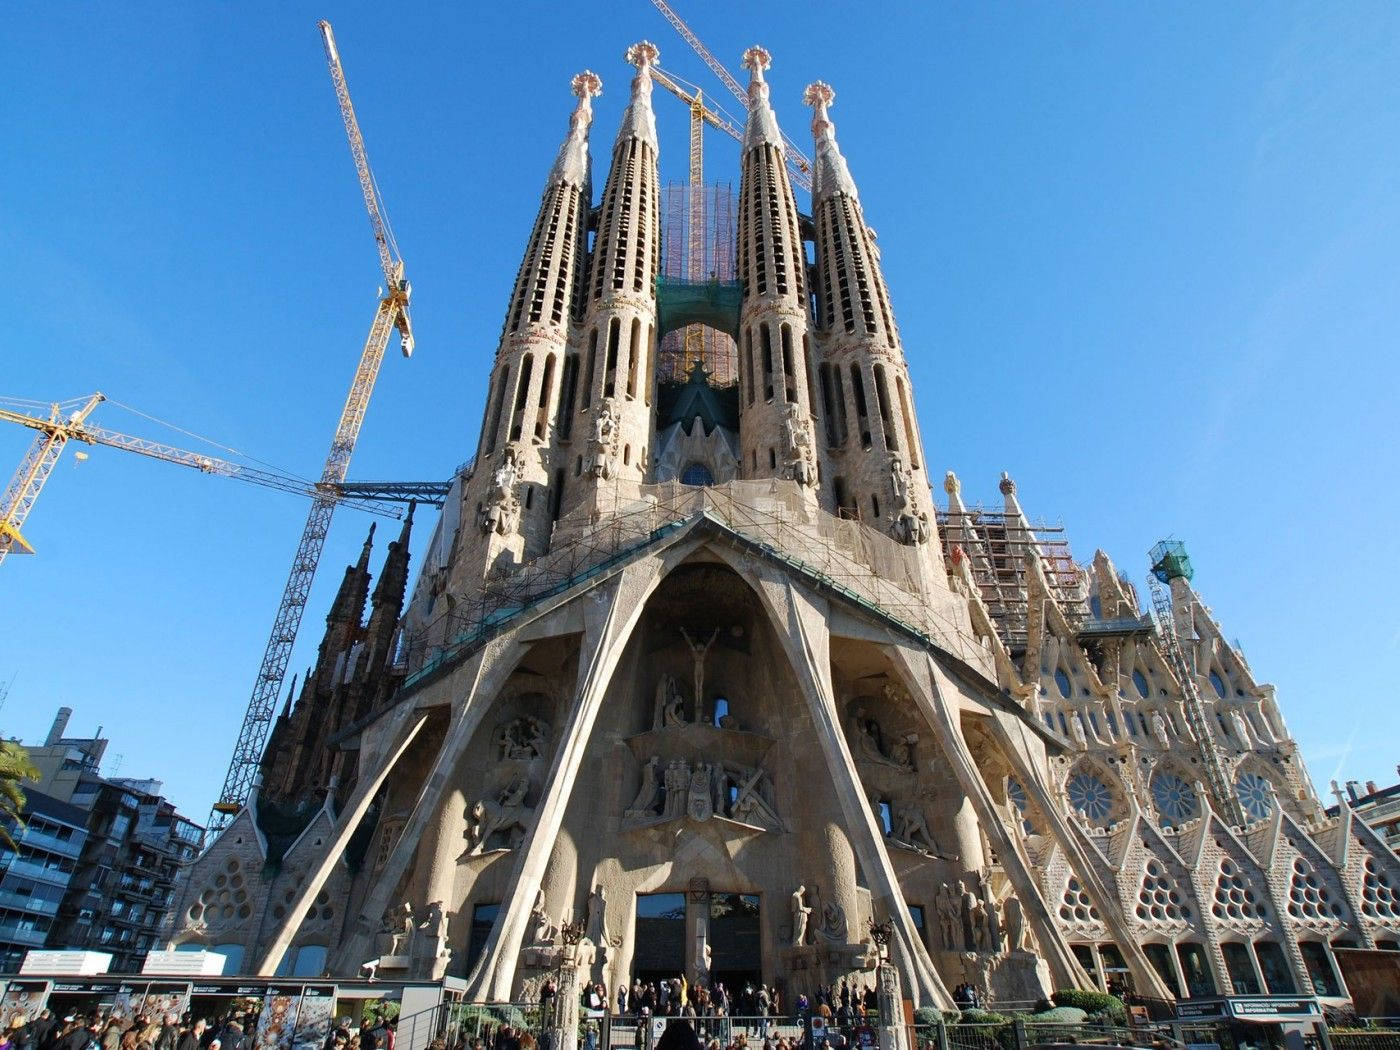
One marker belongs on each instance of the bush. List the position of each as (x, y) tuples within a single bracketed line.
[(1093, 1003), (926, 1015), (1061, 1015)]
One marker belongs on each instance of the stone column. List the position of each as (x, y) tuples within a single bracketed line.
[(565, 1021), (893, 1034)]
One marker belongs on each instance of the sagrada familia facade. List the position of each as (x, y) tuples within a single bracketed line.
[(713, 678)]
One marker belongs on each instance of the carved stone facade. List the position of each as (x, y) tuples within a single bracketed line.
[(703, 678)]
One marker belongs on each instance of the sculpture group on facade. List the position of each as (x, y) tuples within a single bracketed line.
[(500, 513), (602, 450), (910, 524), (416, 943), (971, 920), (869, 741), (797, 446), (831, 926), (523, 739), (704, 790), (505, 811)]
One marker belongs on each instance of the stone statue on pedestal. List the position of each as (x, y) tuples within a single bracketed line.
[(1015, 924), (644, 805), (947, 906), (967, 903), (800, 915)]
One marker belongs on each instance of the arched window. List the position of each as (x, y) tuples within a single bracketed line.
[(1218, 684), (1140, 683), (721, 709), (697, 474), (1062, 680)]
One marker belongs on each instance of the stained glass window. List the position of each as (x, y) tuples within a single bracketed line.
[(1090, 795), (1176, 799), (1256, 795)]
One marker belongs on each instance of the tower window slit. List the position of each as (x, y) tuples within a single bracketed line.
[(839, 393), (874, 506), (522, 395), (556, 495), (546, 390), (497, 408), (610, 366), (828, 407), (862, 415), (568, 389), (789, 377), (909, 441), (766, 343), (749, 358), (588, 373), (882, 397), (634, 351), (649, 372)]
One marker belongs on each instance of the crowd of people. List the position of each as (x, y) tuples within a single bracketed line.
[(844, 1004), (113, 1031)]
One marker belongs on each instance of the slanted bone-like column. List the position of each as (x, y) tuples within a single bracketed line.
[(933, 691), (608, 626), (802, 628)]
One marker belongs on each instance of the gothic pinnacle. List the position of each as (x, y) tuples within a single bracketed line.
[(830, 175), (572, 163), (639, 122), (762, 124)]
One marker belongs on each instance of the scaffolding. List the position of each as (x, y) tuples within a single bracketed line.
[(996, 544), (846, 559), (706, 260)]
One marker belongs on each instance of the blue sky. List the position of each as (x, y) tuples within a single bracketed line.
[(1142, 256)]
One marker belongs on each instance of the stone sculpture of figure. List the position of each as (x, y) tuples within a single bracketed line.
[(899, 483), (797, 435), (1241, 728), (700, 805), (644, 805), (513, 794), (662, 697), (595, 925), (672, 704), (979, 925), (993, 921), (677, 782), (947, 906), (801, 913), (500, 510), (603, 453), (967, 904), (869, 743), (544, 925), (700, 652), (1076, 729), (1159, 730), (1015, 924), (750, 805), (911, 827), (833, 926), (522, 739)]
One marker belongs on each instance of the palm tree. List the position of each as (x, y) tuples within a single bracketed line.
[(15, 767)]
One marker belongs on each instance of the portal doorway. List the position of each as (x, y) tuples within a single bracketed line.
[(736, 942), (660, 937)]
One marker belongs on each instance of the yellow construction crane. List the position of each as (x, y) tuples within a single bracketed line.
[(700, 115), (67, 421), (391, 314), (800, 168)]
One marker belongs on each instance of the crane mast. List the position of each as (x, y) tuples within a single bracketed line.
[(391, 314)]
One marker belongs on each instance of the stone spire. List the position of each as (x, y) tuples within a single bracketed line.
[(829, 173), (609, 432), (506, 498), (775, 415), (866, 399), (572, 165), (762, 123)]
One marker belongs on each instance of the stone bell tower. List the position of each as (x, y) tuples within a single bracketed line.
[(775, 405), (510, 502), (870, 431), (615, 344)]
